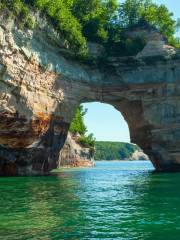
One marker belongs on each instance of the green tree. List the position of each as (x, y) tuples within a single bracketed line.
[(95, 15), (77, 124), (87, 141), (79, 21), (60, 12), (114, 150), (161, 18), (133, 12)]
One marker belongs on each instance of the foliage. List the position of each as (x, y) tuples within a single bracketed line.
[(78, 126), (101, 21), (20, 10), (174, 42), (87, 141), (134, 12), (60, 12), (95, 16), (114, 150), (130, 12)]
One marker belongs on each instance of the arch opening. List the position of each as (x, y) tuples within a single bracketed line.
[(106, 123), (110, 128)]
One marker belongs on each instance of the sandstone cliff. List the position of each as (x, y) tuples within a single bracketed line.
[(139, 156), (41, 84), (75, 155)]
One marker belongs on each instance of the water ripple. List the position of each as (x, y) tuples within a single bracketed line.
[(114, 200)]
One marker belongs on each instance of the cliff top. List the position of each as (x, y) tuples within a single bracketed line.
[(105, 23)]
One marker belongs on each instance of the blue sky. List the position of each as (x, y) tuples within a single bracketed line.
[(103, 120)]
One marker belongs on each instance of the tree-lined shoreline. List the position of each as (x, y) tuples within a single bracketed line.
[(107, 150)]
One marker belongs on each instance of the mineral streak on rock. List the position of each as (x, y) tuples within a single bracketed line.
[(41, 84), (17, 132)]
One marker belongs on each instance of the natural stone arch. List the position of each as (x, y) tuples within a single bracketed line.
[(41, 83), (139, 128), (144, 129)]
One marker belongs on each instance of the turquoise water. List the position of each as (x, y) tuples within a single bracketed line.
[(114, 200)]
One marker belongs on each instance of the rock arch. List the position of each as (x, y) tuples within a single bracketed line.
[(41, 83)]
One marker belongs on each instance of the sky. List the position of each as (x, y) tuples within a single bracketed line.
[(103, 120)]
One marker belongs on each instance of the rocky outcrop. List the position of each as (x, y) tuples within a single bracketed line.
[(41, 84), (139, 156), (75, 155), (156, 46)]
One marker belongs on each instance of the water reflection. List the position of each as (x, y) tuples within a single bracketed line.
[(112, 201), (42, 207)]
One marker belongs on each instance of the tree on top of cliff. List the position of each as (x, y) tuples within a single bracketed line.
[(99, 21), (78, 126), (138, 13), (95, 16), (132, 12)]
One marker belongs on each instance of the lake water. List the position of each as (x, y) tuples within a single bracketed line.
[(114, 200)]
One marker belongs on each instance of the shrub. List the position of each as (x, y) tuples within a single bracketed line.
[(20, 11), (87, 141), (99, 21)]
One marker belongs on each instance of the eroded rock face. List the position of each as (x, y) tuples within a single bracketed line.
[(75, 155), (139, 155), (41, 85)]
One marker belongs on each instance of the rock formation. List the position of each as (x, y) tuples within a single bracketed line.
[(75, 155), (41, 84), (139, 155)]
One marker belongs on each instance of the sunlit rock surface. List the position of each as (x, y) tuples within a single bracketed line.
[(41, 84), (139, 156), (75, 155)]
